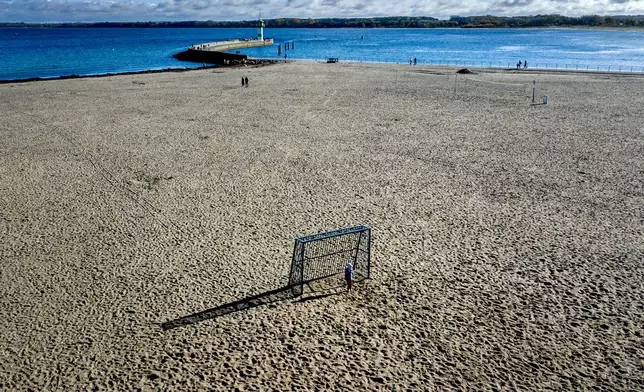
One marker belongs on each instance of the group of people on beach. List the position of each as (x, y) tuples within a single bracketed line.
[(413, 60), (525, 64)]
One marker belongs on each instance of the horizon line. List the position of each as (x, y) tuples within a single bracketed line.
[(325, 18)]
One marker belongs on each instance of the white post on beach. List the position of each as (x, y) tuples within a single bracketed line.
[(455, 85), (533, 86)]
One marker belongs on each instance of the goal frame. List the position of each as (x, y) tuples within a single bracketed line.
[(297, 275)]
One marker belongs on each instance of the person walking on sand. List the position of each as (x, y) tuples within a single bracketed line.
[(348, 275), (242, 81), (525, 64), (246, 81)]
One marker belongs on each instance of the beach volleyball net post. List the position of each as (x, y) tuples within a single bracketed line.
[(323, 255)]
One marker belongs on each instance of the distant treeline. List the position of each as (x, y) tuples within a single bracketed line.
[(390, 22)]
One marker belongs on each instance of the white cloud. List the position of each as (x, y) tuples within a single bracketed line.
[(149, 10)]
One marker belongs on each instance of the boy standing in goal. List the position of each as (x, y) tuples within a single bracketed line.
[(348, 275)]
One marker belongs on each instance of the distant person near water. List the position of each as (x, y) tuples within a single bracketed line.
[(525, 64), (410, 60), (348, 275), (242, 81), (415, 61), (246, 79)]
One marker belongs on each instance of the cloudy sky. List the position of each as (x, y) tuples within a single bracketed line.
[(171, 10)]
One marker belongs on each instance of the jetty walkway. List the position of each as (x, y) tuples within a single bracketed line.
[(217, 52), (221, 46)]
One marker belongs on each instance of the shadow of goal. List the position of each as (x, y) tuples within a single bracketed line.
[(323, 255)]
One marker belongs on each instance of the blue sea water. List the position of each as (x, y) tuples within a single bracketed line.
[(545, 48), (51, 52)]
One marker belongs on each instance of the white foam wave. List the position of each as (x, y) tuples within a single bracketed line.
[(510, 48)]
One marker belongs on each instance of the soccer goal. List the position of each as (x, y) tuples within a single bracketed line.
[(323, 255)]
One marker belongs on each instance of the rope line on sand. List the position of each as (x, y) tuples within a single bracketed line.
[(148, 207), (501, 83), (135, 197), (331, 96), (110, 178)]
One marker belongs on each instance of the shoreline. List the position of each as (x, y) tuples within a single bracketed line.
[(148, 71), (75, 76), (269, 61)]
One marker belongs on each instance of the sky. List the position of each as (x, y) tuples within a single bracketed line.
[(176, 10)]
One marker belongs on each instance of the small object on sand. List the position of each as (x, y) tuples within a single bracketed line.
[(464, 71), (348, 275)]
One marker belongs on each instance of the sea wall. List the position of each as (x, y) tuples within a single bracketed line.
[(215, 52), (233, 44), (209, 57)]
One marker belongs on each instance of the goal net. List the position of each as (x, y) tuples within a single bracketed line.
[(323, 255)]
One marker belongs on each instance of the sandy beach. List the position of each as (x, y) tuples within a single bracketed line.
[(508, 236)]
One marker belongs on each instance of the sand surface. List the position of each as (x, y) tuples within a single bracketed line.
[(508, 236)]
